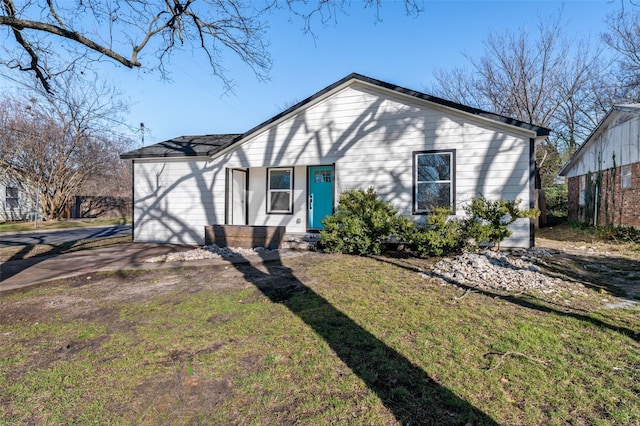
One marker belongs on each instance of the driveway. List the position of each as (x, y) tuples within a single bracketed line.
[(62, 235), (126, 256)]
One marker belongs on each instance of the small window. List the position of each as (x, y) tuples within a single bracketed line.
[(582, 188), (279, 199), (433, 180), (626, 176), (322, 176), (12, 197)]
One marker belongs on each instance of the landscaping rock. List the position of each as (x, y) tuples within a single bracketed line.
[(511, 272), (207, 252)]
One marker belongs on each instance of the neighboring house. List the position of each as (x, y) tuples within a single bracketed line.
[(16, 202), (418, 151), (604, 174)]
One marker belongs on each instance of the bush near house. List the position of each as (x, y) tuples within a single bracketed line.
[(363, 224), (487, 222), (440, 235)]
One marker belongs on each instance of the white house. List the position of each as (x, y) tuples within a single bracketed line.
[(17, 202), (604, 173), (417, 150)]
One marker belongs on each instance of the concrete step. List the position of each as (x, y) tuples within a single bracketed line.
[(306, 241)]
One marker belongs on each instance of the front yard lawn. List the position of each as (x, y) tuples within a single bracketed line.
[(314, 339), (28, 226)]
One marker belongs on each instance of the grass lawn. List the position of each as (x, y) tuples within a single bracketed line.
[(61, 224), (315, 339)]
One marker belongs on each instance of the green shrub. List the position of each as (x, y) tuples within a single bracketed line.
[(439, 236), (362, 224), (487, 221), (557, 201), (624, 234)]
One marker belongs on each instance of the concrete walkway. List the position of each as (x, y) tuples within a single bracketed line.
[(130, 256), (54, 236)]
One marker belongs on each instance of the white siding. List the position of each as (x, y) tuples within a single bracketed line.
[(368, 134), (26, 201), (621, 138), (370, 138), (258, 215), (174, 200)]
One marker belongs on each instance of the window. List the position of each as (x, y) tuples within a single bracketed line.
[(582, 188), (11, 200), (626, 176), (322, 176), (279, 199), (433, 173)]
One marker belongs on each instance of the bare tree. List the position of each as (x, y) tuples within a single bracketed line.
[(55, 145), (624, 38), (545, 79), (47, 37)]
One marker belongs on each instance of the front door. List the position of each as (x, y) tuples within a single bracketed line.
[(320, 200), (238, 197)]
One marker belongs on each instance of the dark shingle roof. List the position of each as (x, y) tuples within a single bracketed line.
[(184, 146), (187, 146)]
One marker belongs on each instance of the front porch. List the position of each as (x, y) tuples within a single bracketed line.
[(269, 237)]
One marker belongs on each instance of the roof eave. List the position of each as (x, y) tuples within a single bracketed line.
[(168, 156), (587, 142)]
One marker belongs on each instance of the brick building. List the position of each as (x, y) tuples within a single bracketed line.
[(604, 173)]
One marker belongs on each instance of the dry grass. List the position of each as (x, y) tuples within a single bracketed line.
[(61, 224), (315, 339)]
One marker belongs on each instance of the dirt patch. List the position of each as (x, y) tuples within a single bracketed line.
[(182, 399), (610, 269)]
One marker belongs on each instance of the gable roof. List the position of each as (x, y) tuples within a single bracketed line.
[(214, 142), (604, 123)]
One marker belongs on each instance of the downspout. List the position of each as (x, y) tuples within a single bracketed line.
[(532, 192)]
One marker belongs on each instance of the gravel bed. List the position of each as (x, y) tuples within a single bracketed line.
[(207, 252), (516, 271)]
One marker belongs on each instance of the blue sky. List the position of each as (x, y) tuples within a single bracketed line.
[(399, 49)]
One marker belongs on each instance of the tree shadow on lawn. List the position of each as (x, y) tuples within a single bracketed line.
[(619, 276), (19, 262), (542, 306), (405, 389)]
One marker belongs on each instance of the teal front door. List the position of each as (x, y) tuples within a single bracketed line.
[(320, 200)]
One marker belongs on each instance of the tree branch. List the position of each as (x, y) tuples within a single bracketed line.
[(18, 24)]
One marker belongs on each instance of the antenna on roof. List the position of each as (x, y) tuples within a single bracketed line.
[(142, 133)]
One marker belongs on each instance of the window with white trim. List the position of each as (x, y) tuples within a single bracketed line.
[(11, 199), (433, 175), (625, 176), (280, 190)]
